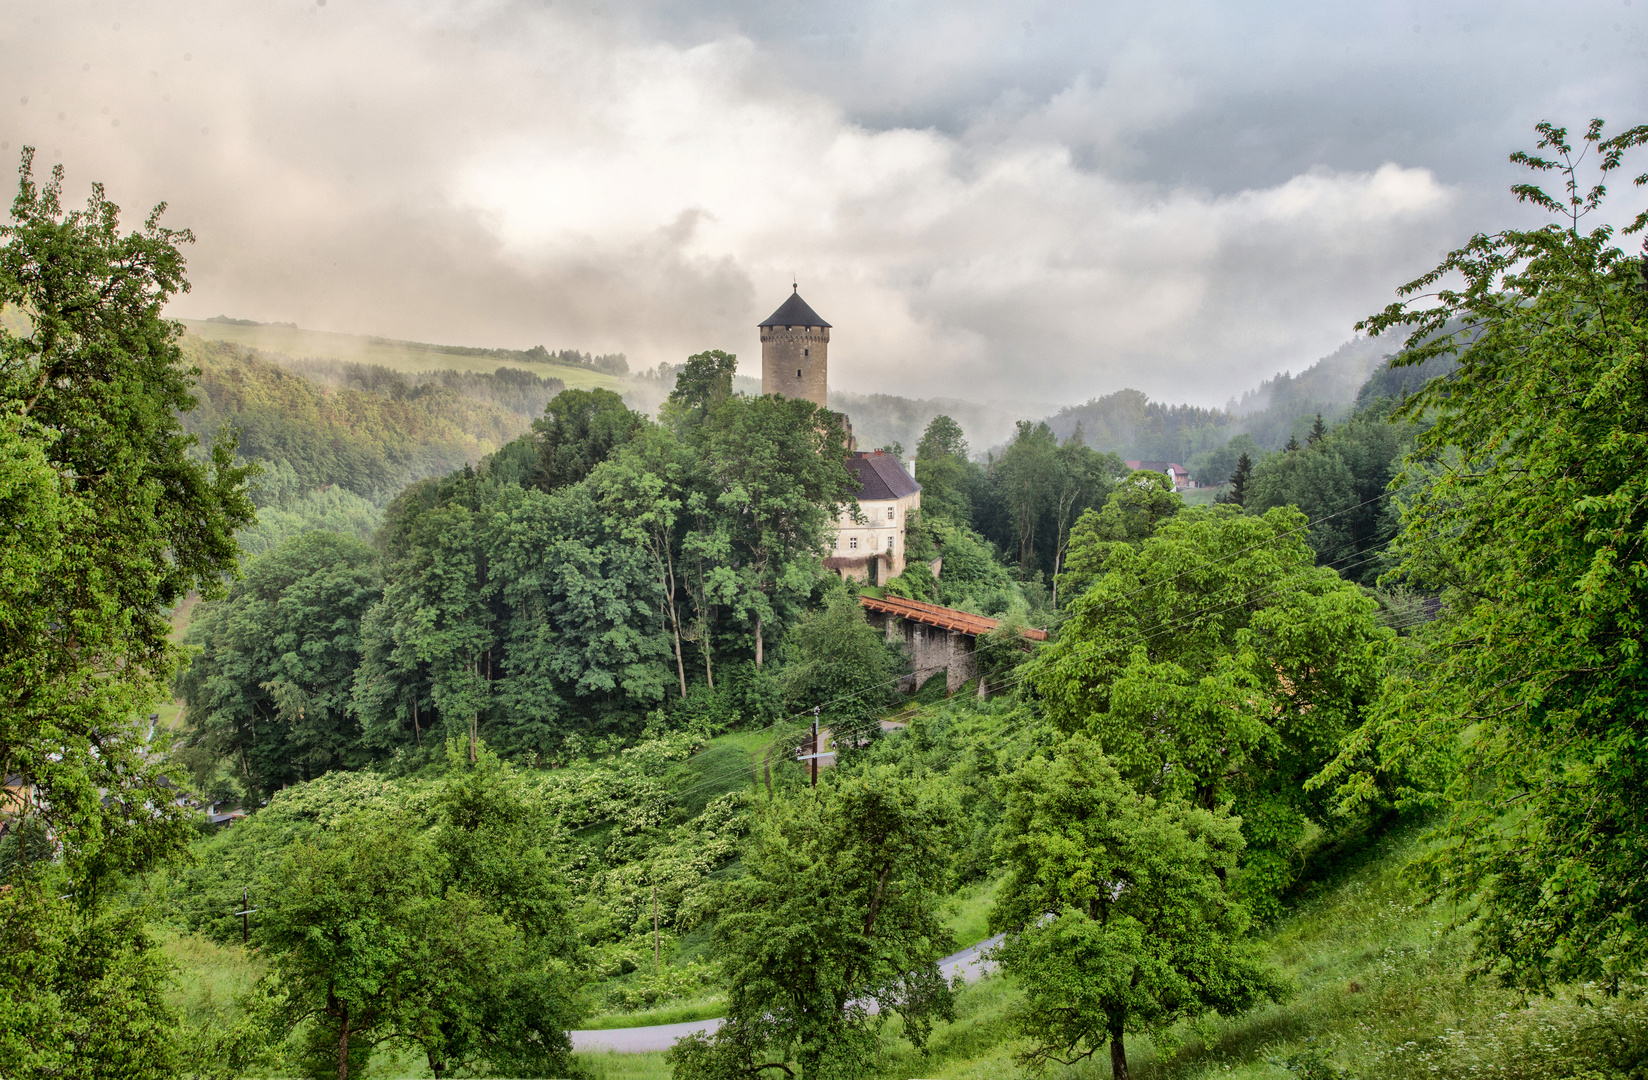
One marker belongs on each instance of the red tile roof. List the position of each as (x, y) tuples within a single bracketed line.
[(947, 618)]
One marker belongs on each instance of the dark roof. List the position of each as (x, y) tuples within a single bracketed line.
[(794, 312), (880, 476)]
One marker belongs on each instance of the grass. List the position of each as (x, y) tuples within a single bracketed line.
[(705, 1008), (1379, 992), (397, 356), (970, 912)]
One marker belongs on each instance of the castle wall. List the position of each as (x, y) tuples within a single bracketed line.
[(794, 362)]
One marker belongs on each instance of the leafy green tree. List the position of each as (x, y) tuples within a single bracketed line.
[(838, 661), (644, 492), (838, 912), (269, 689), (111, 516), (1083, 477), (1130, 515), (1027, 474), (778, 467), (703, 383), (941, 461), (1117, 910), (579, 430), (1528, 511), (452, 938), (1217, 663)]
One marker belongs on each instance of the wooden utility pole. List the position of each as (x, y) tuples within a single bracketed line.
[(657, 962), (245, 914), (815, 746)]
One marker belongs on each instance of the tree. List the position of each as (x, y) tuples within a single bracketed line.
[(838, 661), (1528, 511), (448, 934), (111, 516), (1083, 478), (835, 925), (644, 492), (1130, 515), (270, 687), (941, 463), (1116, 910), (578, 431), (1026, 473), (1318, 431), (777, 467), (703, 383), (1217, 663), (1239, 481)]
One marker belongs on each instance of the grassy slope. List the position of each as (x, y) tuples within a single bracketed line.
[(363, 350), (1380, 992)]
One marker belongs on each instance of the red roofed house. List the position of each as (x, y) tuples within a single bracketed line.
[(1175, 472)]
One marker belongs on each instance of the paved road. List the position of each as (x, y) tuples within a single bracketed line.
[(969, 963)]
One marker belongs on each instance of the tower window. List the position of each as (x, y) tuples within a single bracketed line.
[(798, 373), (806, 352)]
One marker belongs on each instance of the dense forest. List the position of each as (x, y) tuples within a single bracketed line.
[(1334, 774)]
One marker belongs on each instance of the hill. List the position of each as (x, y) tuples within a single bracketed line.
[(405, 356)]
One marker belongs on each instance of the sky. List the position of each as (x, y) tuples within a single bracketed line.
[(1007, 203)]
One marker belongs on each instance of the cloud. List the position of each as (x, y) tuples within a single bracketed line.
[(983, 211)]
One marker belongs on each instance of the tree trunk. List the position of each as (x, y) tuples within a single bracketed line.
[(343, 1045), (675, 616), (1118, 1058), (758, 643)]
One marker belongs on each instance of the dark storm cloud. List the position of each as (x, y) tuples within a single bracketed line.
[(1023, 201)]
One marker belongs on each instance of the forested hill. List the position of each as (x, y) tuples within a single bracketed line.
[(1128, 423), (369, 441)]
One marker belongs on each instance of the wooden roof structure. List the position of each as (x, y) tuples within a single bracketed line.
[(943, 617)]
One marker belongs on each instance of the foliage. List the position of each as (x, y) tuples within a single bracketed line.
[(838, 908), (839, 663), (941, 460), (454, 940), (109, 519), (703, 383), (369, 443), (1116, 909), (1130, 514), (270, 687), (1531, 514), (1216, 663), (1340, 481), (579, 430)]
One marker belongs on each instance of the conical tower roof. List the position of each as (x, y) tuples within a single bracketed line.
[(794, 312)]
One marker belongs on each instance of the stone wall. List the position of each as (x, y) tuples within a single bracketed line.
[(795, 362), (931, 649)]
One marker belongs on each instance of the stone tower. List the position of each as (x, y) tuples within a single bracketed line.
[(795, 344)]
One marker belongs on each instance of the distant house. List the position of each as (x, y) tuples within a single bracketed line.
[(869, 539), (1175, 472)]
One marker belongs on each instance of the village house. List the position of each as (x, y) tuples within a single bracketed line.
[(1175, 472)]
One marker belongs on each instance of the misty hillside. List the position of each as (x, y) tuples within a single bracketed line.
[(575, 369)]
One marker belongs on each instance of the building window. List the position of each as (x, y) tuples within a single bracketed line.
[(889, 513), (852, 542), (806, 352), (889, 543)]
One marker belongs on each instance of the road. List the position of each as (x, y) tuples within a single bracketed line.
[(969, 963)]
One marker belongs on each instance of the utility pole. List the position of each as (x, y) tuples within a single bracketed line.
[(657, 962), (245, 914), (815, 746)]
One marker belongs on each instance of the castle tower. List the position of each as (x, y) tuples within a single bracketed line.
[(795, 343)]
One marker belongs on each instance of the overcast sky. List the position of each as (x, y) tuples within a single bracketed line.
[(1007, 202)]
